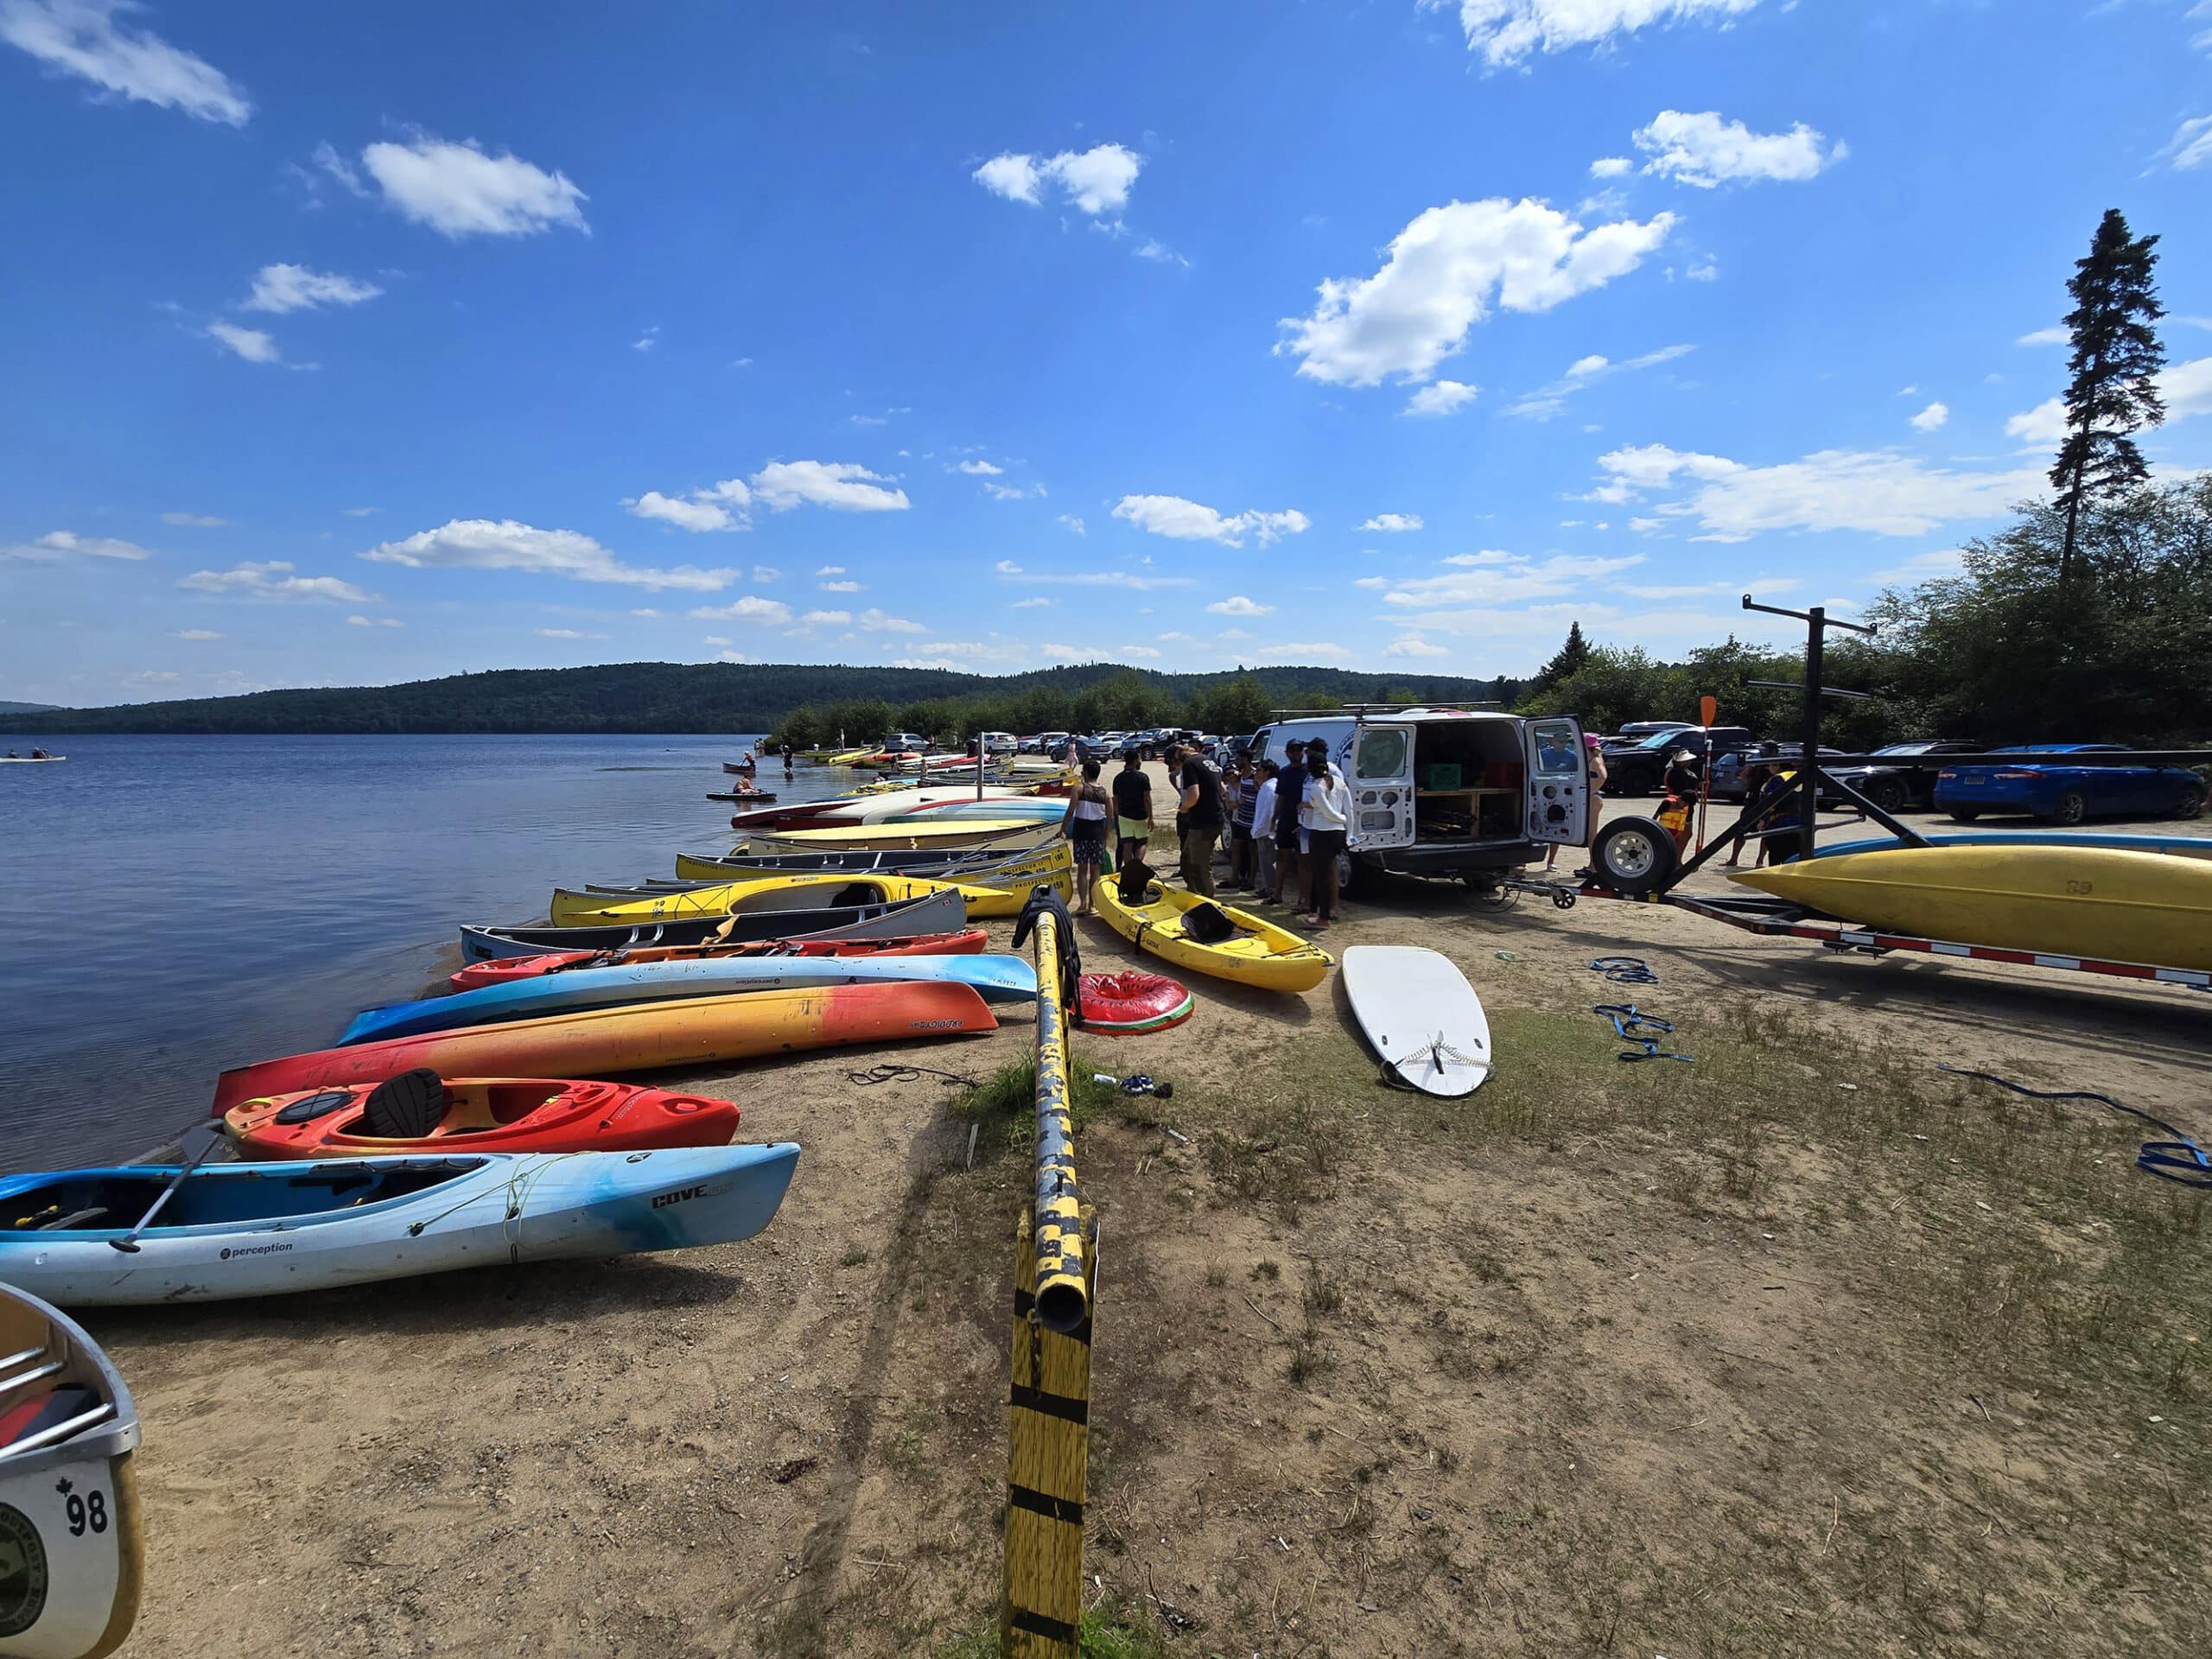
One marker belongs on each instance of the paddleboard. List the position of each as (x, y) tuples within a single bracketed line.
[(1422, 1016)]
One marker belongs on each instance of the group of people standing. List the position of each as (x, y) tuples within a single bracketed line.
[(1280, 820)]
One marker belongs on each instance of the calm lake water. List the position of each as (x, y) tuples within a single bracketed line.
[(178, 904)]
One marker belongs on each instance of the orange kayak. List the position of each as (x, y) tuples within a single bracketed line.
[(635, 1037), (485, 1115), (502, 969)]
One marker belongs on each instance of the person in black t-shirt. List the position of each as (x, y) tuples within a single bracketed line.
[(1290, 784), (1197, 820), (1132, 810)]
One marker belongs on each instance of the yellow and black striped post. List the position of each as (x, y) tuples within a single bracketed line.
[(1049, 1413)]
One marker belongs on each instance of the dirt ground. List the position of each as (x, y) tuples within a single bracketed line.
[(1801, 1347)]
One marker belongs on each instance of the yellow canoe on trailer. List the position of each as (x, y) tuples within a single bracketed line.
[(2054, 901), (806, 891), (1255, 952)]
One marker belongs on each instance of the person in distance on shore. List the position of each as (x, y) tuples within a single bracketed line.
[(1290, 783), (1084, 825), (1263, 832), (1132, 808), (1198, 821), (1326, 808)]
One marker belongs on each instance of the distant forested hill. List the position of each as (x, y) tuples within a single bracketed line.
[(744, 697), (24, 707)]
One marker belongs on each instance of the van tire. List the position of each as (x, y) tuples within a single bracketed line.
[(1634, 857)]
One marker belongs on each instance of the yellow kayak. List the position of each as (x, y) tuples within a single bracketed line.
[(807, 891), (2058, 901), (902, 835), (1256, 953)]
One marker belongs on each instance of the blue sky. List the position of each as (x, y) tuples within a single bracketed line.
[(358, 344)]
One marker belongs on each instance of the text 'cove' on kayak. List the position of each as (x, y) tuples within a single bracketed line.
[(995, 978), (641, 1036), (255, 1230), (938, 912), (2070, 901), (417, 1112)]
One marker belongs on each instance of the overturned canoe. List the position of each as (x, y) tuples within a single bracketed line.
[(642, 1037), (936, 913)]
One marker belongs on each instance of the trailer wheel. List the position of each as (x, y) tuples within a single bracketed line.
[(1634, 857)]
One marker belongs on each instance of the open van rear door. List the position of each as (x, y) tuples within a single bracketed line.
[(1559, 780), (1380, 773)]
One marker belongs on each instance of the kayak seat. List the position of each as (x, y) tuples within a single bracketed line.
[(405, 1108), (63, 1224), (1208, 923), (857, 894)]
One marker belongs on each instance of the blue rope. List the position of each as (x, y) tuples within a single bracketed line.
[(2167, 1160), (1628, 1025), (1625, 970)]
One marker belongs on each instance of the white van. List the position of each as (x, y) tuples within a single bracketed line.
[(1440, 792)]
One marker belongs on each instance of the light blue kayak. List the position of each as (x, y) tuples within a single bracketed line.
[(255, 1230), (1041, 808), (996, 979), (2174, 846)]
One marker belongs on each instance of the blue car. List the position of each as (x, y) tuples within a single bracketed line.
[(2043, 786)]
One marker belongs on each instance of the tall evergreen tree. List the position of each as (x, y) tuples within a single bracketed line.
[(2114, 390), (1572, 657)]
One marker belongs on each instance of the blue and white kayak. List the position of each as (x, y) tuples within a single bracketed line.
[(2174, 846), (1042, 809), (256, 1230), (996, 979)]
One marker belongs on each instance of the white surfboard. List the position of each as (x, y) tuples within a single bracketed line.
[(1422, 1017)]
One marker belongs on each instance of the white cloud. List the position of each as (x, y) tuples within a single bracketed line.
[(83, 37), (1412, 645), (767, 572), (979, 469), (1188, 521), (1506, 31), (1007, 567), (847, 586), (1145, 651), (825, 618), (1132, 581), (1931, 418), (564, 633), (1159, 252), (196, 633), (1298, 649), (505, 544), (1708, 272), (273, 579), (1498, 579), (713, 639), (751, 609), (1075, 526), (831, 570), (719, 506), (67, 544), (2190, 147), (1548, 401), (1706, 151), (458, 190), (374, 622), (1096, 180), (295, 287), (360, 513), (1237, 604), (331, 164), (1393, 522), (842, 485), (1036, 603), (1439, 399), (2042, 426), (1444, 272), (647, 611), (1923, 567), (1012, 491), (251, 344), (876, 621), (1612, 167), (193, 520), (2186, 388), (732, 657), (1879, 492), (2059, 335)]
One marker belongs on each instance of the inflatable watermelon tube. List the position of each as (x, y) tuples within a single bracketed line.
[(1124, 1004)]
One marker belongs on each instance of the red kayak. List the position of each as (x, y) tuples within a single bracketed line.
[(417, 1112), (503, 969)]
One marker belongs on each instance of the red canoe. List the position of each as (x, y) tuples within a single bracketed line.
[(635, 1037), (503, 969), (482, 1115)]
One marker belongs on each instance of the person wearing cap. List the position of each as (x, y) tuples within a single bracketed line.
[(1593, 752)]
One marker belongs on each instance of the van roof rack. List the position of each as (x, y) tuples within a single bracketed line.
[(1447, 705)]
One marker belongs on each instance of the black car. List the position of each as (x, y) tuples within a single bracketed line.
[(1911, 781), (1640, 768)]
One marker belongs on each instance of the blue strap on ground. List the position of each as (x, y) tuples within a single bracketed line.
[(2179, 1159), (1624, 971), (1629, 1023)]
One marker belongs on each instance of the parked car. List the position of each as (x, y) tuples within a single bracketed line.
[(997, 742), (1911, 780), (1637, 730), (1727, 775), (1639, 768), (2045, 786)]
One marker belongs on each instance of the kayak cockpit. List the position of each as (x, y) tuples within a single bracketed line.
[(113, 1200)]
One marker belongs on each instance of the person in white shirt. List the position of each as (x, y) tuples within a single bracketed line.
[(1263, 832), (1325, 813)]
